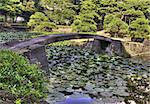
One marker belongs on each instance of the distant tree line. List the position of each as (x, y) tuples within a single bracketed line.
[(120, 18)]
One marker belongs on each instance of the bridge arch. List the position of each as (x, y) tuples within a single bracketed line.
[(34, 49)]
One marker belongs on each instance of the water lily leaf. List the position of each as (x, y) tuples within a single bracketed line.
[(89, 86)]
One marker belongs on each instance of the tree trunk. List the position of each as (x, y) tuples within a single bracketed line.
[(5, 17)]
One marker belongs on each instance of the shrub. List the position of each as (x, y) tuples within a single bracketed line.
[(107, 20), (131, 15), (86, 20), (45, 26), (115, 26), (139, 28), (84, 23), (40, 23), (20, 78)]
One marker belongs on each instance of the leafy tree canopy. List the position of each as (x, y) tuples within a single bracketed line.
[(82, 15), (12, 7), (85, 21), (130, 15), (115, 26), (59, 11), (140, 28), (40, 22)]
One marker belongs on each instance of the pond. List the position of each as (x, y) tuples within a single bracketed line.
[(77, 72)]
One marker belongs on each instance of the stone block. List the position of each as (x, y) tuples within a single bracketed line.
[(96, 46), (99, 46), (36, 54)]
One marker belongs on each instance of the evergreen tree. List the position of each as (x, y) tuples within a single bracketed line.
[(59, 11), (29, 8), (108, 6), (125, 10), (108, 19), (115, 26), (24, 8), (40, 23), (140, 28), (85, 21), (10, 8), (131, 14)]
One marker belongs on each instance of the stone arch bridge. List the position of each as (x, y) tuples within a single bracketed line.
[(34, 49)]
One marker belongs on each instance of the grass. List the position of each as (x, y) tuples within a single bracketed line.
[(73, 42)]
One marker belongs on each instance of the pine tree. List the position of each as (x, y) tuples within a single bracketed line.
[(40, 23), (59, 11), (85, 21), (140, 28), (115, 26)]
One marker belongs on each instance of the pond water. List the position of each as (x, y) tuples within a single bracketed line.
[(78, 75), (77, 72)]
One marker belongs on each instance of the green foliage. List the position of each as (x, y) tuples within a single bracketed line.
[(63, 43), (28, 8), (12, 7), (60, 12), (28, 5), (140, 28), (12, 36), (139, 85), (107, 20), (45, 27), (82, 15), (108, 6), (39, 22), (126, 10), (20, 78), (92, 74), (18, 101), (1, 18), (84, 22), (131, 15), (142, 5), (115, 26)]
